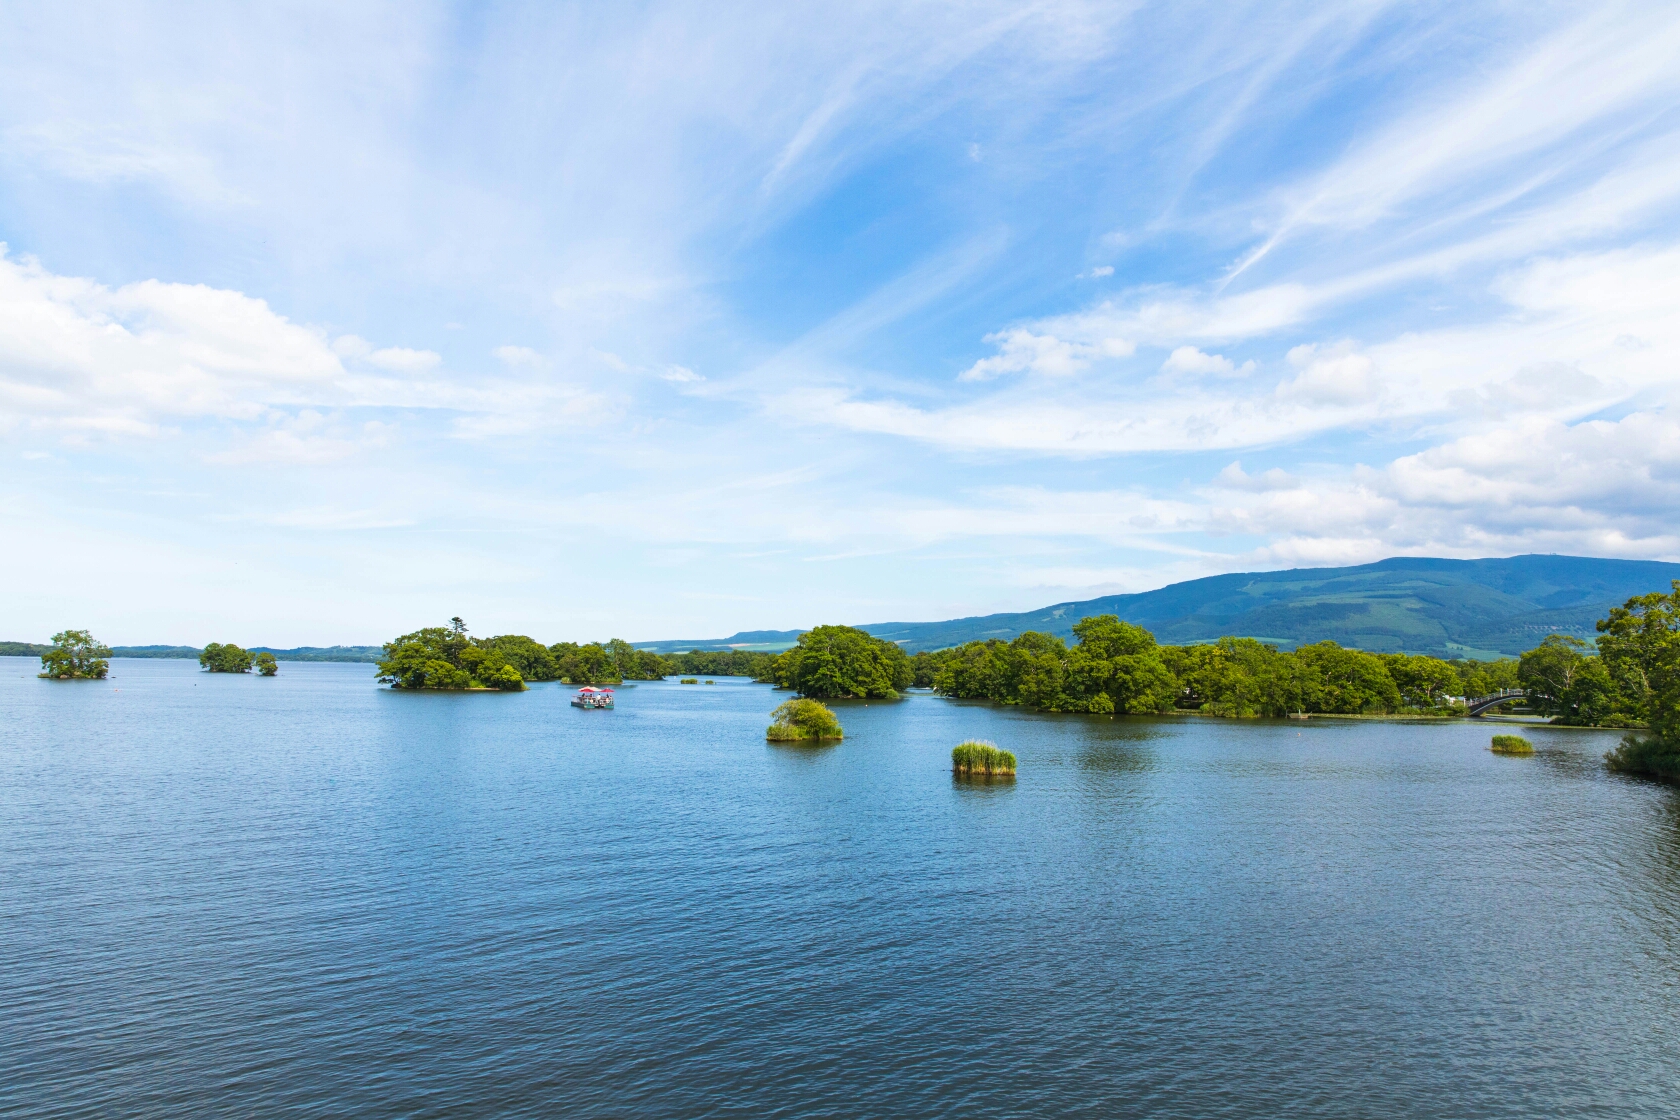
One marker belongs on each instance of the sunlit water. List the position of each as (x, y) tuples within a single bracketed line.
[(310, 896)]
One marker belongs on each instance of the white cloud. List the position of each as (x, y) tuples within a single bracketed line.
[(681, 375), (75, 354), (309, 438), (1189, 360), (1022, 351), (517, 355), (1331, 375), (400, 359), (1098, 273)]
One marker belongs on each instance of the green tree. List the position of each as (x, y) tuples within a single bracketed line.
[(636, 664), (721, 663), (534, 660), (971, 671), (585, 664), (266, 665), (794, 720), (1117, 667), (1346, 681), (440, 657), (75, 655), (1483, 678), (228, 658), (839, 661), (1424, 682), (1646, 631), (1562, 681), (1636, 644)]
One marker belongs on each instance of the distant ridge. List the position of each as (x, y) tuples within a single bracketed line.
[(1448, 608)]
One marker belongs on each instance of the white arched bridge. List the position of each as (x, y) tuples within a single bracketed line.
[(1481, 705)]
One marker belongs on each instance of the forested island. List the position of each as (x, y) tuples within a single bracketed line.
[(75, 655)]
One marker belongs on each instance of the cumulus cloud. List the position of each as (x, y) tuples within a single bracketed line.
[(1594, 488), (77, 355), (1190, 360), (1021, 351)]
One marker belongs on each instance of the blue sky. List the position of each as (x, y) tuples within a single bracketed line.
[(329, 321)]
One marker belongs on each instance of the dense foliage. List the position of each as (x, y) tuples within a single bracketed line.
[(839, 661), (797, 720), (723, 663), (75, 655), (1117, 667), (593, 663), (266, 664), (229, 658), (1640, 646), (444, 657), (976, 757)]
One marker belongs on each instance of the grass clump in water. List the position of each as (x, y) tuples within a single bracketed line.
[(1511, 744), (689, 680), (803, 721), (978, 758)]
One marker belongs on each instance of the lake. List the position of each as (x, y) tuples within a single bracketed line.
[(308, 896)]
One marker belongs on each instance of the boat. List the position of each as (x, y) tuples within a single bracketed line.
[(593, 698)]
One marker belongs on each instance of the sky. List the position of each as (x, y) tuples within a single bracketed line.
[(323, 322)]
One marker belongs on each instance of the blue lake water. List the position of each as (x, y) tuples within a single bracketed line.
[(308, 896)]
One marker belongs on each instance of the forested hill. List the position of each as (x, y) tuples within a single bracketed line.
[(1449, 608)]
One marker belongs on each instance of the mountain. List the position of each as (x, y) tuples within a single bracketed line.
[(1449, 608)]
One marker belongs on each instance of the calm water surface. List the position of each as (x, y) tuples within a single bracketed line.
[(308, 896)]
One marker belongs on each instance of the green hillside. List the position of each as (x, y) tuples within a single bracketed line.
[(1449, 608)]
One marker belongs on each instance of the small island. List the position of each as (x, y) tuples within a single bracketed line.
[(75, 656), (1511, 744), (803, 721), (266, 664), (445, 659), (226, 658), (977, 758)]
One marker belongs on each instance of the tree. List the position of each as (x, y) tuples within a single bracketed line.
[(587, 664), (1424, 682), (266, 665), (794, 720), (534, 660), (1117, 667), (1347, 681), (1636, 643), (439, 657), (229, 658), (840, 661), (75, 656), (1564, 682), (1644, 638)]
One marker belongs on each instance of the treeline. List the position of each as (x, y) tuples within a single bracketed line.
[(618, 661), (1629, 678), (1117, 668), (435, 656)]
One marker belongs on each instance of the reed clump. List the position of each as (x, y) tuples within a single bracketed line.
[(689, 680), (1511, 744), (803, 721), (978, 758)]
